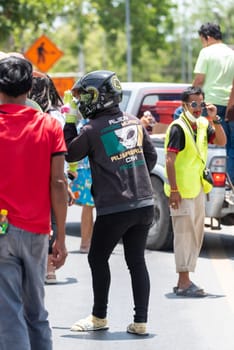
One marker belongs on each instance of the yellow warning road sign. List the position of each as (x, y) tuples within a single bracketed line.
[(63, 83), (43, 53)]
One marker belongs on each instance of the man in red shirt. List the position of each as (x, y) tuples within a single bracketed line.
[(32, 150)]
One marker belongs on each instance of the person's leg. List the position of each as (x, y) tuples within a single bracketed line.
[(229, 131), (183, 243), (13, 327), (107, 231), (188, 238), (34, 256), (134, 241), (82, 186), (50, 277), (230, 151), (221, 111), (86, 228)]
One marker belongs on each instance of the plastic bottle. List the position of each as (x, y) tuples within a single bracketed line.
[(70, 107), (3, 221)]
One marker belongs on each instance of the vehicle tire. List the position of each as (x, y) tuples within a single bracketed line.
[(160, 236), (227, 220)]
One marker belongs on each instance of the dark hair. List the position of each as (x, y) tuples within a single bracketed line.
[(45, 94), (15, 76), (191, 90), (210, 29)]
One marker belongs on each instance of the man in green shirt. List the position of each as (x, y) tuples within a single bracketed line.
[(214, 72)]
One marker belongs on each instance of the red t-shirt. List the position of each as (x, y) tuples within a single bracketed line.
[(28, 140)]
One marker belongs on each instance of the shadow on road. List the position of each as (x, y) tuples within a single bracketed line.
[(73, 229), (68, 280), (209, 296), (105, 336), (215, 242), (220, 245)]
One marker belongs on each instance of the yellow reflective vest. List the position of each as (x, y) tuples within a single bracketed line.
[(190, 162)]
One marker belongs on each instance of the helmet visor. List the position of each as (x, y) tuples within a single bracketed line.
[(86, 98)]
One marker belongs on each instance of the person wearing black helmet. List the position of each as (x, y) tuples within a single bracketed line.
[(121, 157)]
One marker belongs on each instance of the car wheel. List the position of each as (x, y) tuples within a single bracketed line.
[(160, 236)]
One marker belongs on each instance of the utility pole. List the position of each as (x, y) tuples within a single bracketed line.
[(80, 29), (186, 46), (128, 38)]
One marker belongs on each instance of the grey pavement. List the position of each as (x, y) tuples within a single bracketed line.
[(71, 299), (174, 323)]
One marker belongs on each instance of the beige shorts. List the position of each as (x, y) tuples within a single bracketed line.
[(188, 226)]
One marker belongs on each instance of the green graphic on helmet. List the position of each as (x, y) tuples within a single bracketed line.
[(116, 83)]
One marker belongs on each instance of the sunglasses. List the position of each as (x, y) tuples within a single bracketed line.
[(194, 104)]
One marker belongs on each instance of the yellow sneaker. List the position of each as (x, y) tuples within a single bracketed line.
[(138, 328), (90, 323)]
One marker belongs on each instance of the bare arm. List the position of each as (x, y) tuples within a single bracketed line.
[(170, 166), (220, 136), (149, 150), (199, 80), (231, 101), (59, 198), (175, 197)]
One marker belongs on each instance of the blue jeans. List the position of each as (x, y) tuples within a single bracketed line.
[(230, 149), (23, 317), (229, 131)]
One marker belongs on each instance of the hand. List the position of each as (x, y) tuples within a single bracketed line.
[(72, 174), (147, 121), (71, 196), (211, 110), (70, 108), (59, 254), (174, 200)]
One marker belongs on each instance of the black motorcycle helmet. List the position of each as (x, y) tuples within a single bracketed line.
[(97, 91)]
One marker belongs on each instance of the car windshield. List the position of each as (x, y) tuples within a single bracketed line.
[(124, 103)]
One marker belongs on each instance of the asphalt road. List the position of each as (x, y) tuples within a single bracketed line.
[(174, 323)]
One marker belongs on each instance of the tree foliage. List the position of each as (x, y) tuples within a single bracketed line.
[(92, 33), (104, 22), (149, 22), (18, 16), (101, 22)]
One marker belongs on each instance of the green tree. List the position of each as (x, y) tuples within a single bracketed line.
[(92, 31), (17, 17), (102, 22), (150, 22)]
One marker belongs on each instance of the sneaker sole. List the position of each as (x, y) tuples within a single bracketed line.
[(135, 333), (51, 282), (84, 329)]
